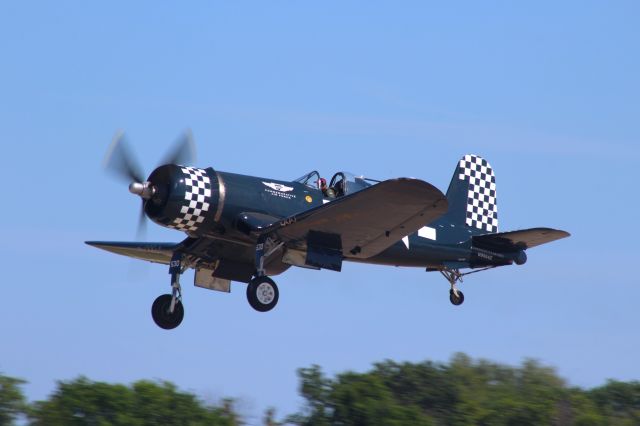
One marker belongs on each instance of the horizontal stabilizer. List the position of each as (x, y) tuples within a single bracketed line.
[(518, 240), (152, 252)]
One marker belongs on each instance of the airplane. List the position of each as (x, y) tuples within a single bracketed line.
[(248, 229)]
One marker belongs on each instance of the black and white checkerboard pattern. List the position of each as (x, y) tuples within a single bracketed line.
[(197, 200), (482, 211)]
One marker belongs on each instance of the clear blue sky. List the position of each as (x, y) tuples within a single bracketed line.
[(548, 92)]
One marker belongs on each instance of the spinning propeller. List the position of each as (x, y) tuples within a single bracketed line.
[(120, 162)]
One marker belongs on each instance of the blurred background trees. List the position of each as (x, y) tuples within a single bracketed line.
[(461, 392), (85, 402), (12, 401)]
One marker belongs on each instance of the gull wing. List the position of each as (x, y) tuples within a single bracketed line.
[(368, 221)]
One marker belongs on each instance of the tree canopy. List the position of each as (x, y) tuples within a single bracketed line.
[(12, 401), (461, 392), (84, 402)]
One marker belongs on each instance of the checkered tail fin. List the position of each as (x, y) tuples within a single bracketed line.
[(472, 196)]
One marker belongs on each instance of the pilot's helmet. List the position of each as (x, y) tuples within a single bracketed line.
[(322, 182)]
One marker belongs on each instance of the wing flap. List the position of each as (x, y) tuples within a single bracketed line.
[(519, 240), (371, 220)]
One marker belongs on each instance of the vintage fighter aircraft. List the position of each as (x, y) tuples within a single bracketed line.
[(246, 229)]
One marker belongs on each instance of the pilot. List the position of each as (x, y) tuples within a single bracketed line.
[(328, 192)]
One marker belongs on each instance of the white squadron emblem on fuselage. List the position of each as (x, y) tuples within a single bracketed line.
[(278, 186)]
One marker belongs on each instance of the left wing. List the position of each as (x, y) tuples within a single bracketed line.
[(369, 221), (152, 252), (224, 259), (519, 240)]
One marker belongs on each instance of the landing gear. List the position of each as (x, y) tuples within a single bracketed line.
[(454, 276), (456, 299), (167, 310), (262, 294), (162, 315)]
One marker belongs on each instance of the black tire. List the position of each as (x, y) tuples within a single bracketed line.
[(262, 294), (161, 315), (456, 300)]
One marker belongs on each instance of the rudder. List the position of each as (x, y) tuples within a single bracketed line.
[(472, 195)]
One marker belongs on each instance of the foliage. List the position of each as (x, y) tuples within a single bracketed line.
[(461, 392), (619, 402), (12, 401), (84, 402)]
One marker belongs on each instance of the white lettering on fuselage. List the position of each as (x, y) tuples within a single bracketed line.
[(485, 256), (288, 221)]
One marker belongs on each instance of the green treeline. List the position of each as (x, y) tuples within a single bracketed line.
[(460, 392)]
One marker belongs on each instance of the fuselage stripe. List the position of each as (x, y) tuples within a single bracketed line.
[(222, 191)]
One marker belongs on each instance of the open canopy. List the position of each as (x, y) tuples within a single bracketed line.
[(342, 183)]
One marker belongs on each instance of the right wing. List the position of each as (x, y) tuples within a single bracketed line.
[(369, 221)]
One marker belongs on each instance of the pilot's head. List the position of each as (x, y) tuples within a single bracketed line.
[(322, 183)]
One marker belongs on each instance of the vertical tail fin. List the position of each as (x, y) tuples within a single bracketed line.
[(472, 195)]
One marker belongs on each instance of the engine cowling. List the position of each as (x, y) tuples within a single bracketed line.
[(184, 198)]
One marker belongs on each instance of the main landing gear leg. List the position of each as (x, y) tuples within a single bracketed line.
[(262, 292), (167, 310), (454, 276)]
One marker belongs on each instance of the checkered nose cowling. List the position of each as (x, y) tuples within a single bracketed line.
[(185, 197)]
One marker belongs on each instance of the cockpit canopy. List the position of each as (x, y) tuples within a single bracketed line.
[(342, 183), (311, 179)]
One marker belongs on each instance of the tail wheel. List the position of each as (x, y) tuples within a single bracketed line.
[(456, 300), (161, 315), (262, 294)]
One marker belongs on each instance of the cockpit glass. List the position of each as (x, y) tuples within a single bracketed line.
[(344, 183), (310, 179)]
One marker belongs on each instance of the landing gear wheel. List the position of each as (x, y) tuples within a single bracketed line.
[(262, 294), (161, 315), (456, 300)]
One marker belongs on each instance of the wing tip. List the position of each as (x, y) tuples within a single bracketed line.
[(558, 232)]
